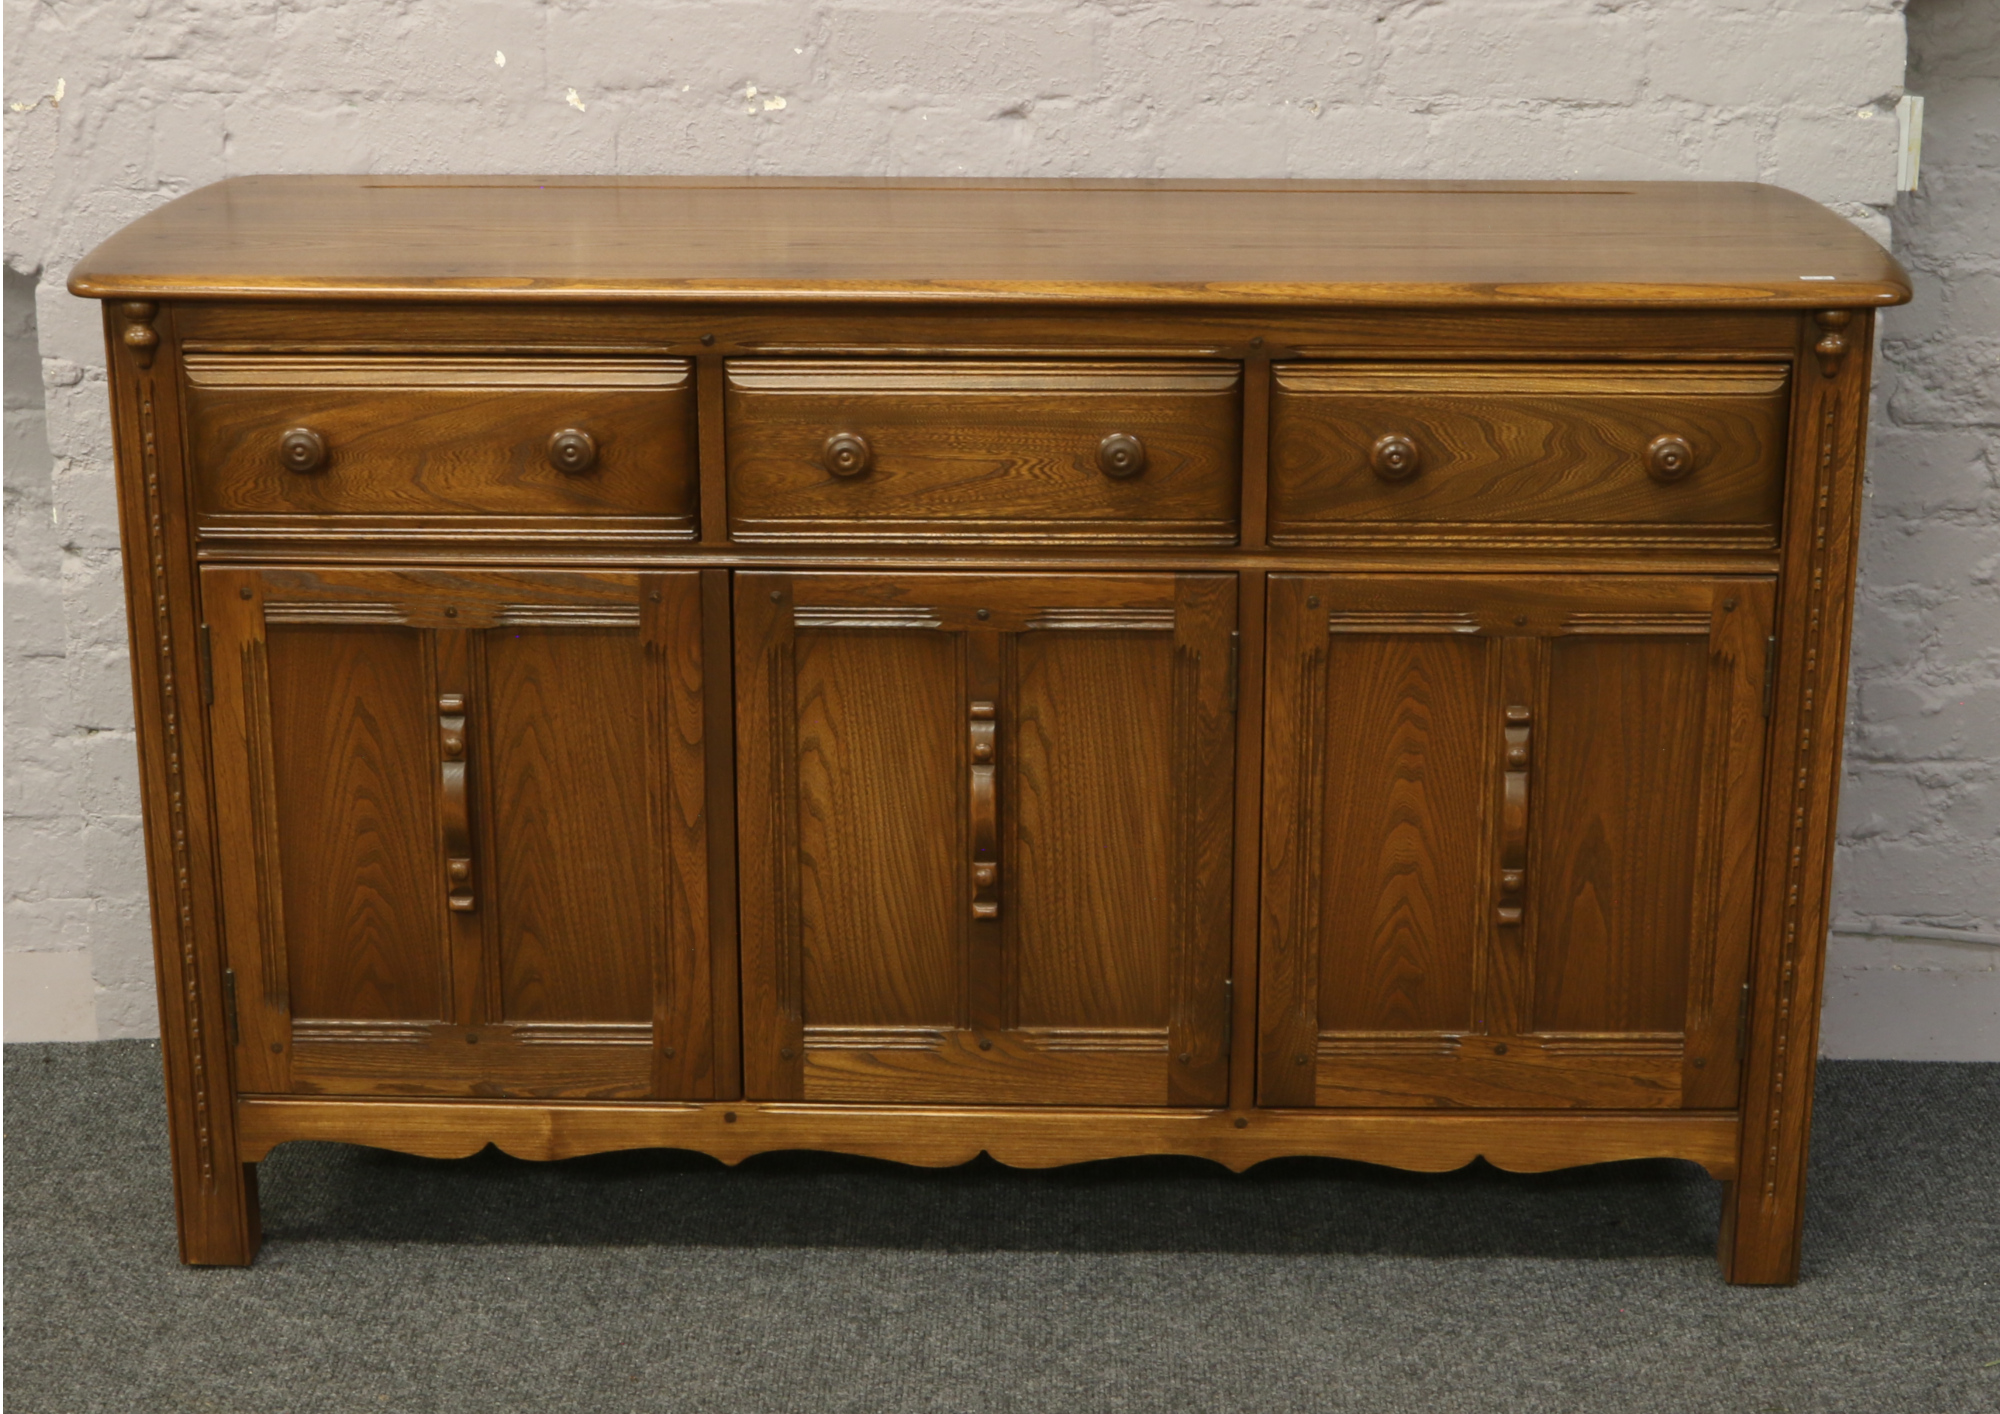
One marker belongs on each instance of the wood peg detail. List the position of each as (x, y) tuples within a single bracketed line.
[(1832, 345), (140, 336)]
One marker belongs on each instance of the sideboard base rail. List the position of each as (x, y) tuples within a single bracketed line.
[(938, 1136)]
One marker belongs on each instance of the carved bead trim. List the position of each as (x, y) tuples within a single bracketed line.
[(140, 335), (176, 786), (1801, 788), (1832, 345)]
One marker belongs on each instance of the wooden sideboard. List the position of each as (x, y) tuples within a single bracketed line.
[(1056, 669)]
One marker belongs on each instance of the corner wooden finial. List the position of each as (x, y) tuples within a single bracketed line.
[(140, 336), (1832, 345)]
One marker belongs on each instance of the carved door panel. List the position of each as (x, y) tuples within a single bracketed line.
[(985, 829), (463, 847), (1508, 832)]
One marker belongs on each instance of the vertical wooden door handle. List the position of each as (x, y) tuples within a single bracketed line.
[(457, 812), (985, 813), (1514, 821)]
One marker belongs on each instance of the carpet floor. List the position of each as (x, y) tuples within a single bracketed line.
[(664, 1281)]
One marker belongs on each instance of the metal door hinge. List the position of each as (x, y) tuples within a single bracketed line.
[(1235, 660), (1743, 1024), (229, 1003), (1228, 1013), (207, 669), (1770, 671)]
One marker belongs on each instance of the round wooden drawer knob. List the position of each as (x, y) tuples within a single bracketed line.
[(1669, 458), (1121, 455), (572, 452), (1395, 457), (846, 454), (301, 449)]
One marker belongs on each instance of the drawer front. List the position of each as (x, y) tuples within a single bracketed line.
[(1144, 453), (1651, 454), (441, 446)]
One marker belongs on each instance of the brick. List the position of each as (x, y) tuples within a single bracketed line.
[(1938, 472), (772, 44), (1919, 880), (1507, 51), (34, 614), (1180, 58), (41, 777), (108, 775), (1830, 155), (122, 939), (1770, 58), (929, 50), (114, 861), (1911, 722), (47, 925), (1972, 811), (38, 699), (1878, 1005), (45, 858)]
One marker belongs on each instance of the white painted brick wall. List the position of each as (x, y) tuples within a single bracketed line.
[(1920, 808), (161, 96)]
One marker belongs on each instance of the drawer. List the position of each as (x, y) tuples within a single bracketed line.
[(441, 447), (1144, 453), (1617, 455)]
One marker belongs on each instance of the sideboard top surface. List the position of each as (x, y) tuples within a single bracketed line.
[(1244, 243)]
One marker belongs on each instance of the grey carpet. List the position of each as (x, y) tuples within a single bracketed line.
[(663, 1281)]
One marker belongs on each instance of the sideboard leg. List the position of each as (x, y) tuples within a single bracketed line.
[(221, 1228), (1759, 1242), (215, 1199), (1763, 1210)]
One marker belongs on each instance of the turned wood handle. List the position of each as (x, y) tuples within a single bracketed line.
[(1395, 457), (985, 813), (1669, 458), (1514, 821), (1121, 455), (302, 450), (457, 811), (572, 451), (847, 454)]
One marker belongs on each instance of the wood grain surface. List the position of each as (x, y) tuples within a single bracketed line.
[(417, 442), (867, 974), (1400, 967), (579, 953), (1023, 1137), (577, 884), (1527, 451), (978, 451), (357, 813), (1406, 243)]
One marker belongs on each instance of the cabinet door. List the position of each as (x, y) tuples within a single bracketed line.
[(462, 831), (1508, 833), (985, 826)]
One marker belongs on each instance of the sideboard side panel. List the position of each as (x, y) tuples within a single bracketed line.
[(215, 1195), (1762, 1217)]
